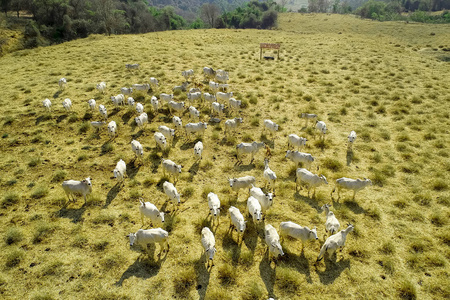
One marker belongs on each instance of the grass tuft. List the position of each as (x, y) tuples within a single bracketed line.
[(407, 290), (13, 235), (10, 199), (184, 282), (14, 257), (332, 164), (227, 275)]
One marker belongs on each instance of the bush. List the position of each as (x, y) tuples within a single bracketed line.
[(10, 199), (59, 176), (14, 257), (39, 192), (13, 235), (332, 164)]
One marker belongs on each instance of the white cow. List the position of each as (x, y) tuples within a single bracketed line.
[(132, 66), (308, 117), (351, 138), (241, 183), (214, 206), (194, 96), (213, 86), (271, 126), (166, 97), (222, 78), (273, 241), (150, 211), (187, 74), (224, 96), (321, 127), (67, 104), (246, 148), (92, 104), (237, 221), (180, 88), (137, 149), (103, 111), (350, 184), (143, 237), (120, 171), (171, 191), (118, 100), (101, 87), (266, 200), (139, 108), (193, 113), (232, 124), (141, 87), (209, 244), (209, 97), (296, 141), (218, 108), (155, 103), (171, 167), (141, 120), (223, 86), (196, 128), (300, 157), (297, 232), (177, 122), (160, 140), (130, 101), (62, 83), (335, 242), (112, 128), (234, 104), (331, 224), (177, 106), (304, 176), (209, 72), (269, 175), (97, 125), (198, 150), (153, 82), (167, 132), (75, 187), (254, 209), (47, 104)]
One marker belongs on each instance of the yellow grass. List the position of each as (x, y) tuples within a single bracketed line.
[(386, 81)]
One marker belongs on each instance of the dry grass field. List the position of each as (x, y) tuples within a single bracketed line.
[(387, 81)]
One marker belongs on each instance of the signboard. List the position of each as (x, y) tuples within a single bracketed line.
[(269, 46)]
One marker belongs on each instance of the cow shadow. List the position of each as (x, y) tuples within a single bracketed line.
[(137, 134), (194, 168), (43, 118), (143, 267), (311, 202), (270, 143), (56, 95), (243, 168), (132, 169), (127, 116), (203, 275), (112, 194), (354, 206), (114, 112), (349, 156), (61, 118), (299, 263), (332, 270), (87, 116), (268, 274), (228, 243), (75, 214), (189, 145), (251, 240)]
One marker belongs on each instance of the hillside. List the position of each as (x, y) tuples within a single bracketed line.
[(387, 81)]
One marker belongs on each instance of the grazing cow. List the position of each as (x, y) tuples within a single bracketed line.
[(97, 125), (332, 224), (235, 105), (150, 236), (118, 100), (112, 128), (209, 73), (171, 167), (171, 191), (187, 74), (132, 66), (130, 101), (103, 111), (224, 96), (153, 82), (194, 96), (48, 104), (351, 138), (269, 175), (350, 184), (218, 108), (300, 157), (308, 117), (166, 97), (137, 149), (232, 124), (92, 104), (139, 108), (237, 221), (198, 149), (75, 187), (67, 104), (297, 232), (241, 183), (181, 88), (209, 244), (126, 91), (209, 97), (155, 103), (101, 87), (177, 122), (273, 241), (335, 242), (246, 148), (120, 171), (296, 141), (167, 132), (271, 126), (160, 140), (141, 87), (266, 200), (322, 128), (304, 176), (141, 120), (196, 128), (150, 211), (213, 86), (254, 209), (222, 78), (214, 206), (177, 106), (62, 83), (223, 87), (193, 113)]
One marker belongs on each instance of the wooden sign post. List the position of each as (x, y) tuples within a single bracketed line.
[(269, 46)]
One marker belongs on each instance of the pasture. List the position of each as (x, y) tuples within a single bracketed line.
[(386, 81)]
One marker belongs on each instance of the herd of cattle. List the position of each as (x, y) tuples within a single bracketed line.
[(258, 201)]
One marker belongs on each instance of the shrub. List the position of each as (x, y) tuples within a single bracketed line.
[(227, 275), (14, 258), (34, 162), (253, 292), (407, 290), (108, 147), (84, 127), (10, 199), (287, 280), (388, 248), (13, 235), (59, 176), (39, 192), (183, 282), (332, 164)]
